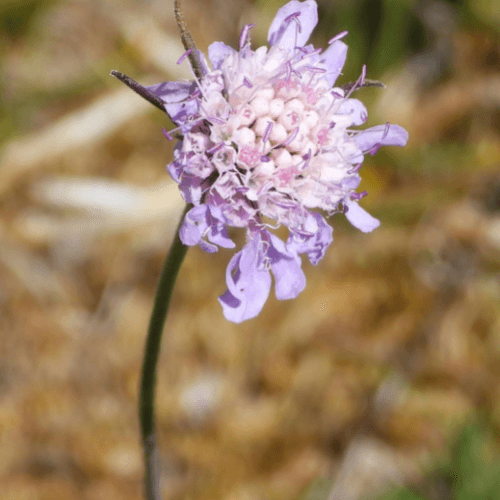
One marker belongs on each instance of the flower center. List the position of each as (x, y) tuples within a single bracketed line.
[(283, 124)]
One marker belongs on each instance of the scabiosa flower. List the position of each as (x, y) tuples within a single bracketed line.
[(266, 138)]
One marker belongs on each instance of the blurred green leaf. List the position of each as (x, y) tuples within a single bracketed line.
[(402, 494), (318, 490), (16, 15), (477, 466)]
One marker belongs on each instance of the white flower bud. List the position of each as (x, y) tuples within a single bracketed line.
[(278, 133), (266, 168), (246, 116), (282, 158), (245, 136), (261, 125), (266, 93), (260, 106), (295, 104), (311, 118), (276, 107)]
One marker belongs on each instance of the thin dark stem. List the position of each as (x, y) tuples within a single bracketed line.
[(139, 89), (151, 354), (188, 42)]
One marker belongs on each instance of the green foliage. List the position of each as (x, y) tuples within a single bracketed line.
[(318, 490), (477, 464), (402, 494), (16, 16), (473, 473)]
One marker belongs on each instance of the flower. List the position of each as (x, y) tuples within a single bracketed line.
[(266, 138)]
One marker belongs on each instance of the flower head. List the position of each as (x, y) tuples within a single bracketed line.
[(266, 138)]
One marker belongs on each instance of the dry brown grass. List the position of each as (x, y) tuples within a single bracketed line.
[(393, 345)]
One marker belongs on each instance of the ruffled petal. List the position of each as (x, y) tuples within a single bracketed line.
[(218, 233), (218, 52), (313, 239), (194, 225), (175, 96), (191, 188), (289, 278), (176, 167), (360, 218), (351, 182), (381, 135), (334, 59), (198, 223), (171, 92), (285, 33), (208, 247), (248, 282), (356, 109)]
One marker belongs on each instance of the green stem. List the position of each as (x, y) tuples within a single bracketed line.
[(151, 354)]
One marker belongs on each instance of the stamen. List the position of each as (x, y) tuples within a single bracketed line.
[(291, 137), (285, 203), (303, 233), (215, 148), (341, 35), (294, 17), (358, 196), (264, 187), (363, 75), (386, 130), (329, 109), (189, 120), (296, 73), (183, 57), (355, 169), (286, 23), (194, 95), (267, 132), (167, 135), (359, 82), (306, 158), (245, 34), (337, 149), (215, 119), (314, 52), (312, 69)]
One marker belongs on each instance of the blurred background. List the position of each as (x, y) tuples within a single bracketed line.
[(367, 378)]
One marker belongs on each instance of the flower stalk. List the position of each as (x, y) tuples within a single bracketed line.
[(161, 305)]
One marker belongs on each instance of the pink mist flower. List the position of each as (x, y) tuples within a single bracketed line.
[(267, 137)]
